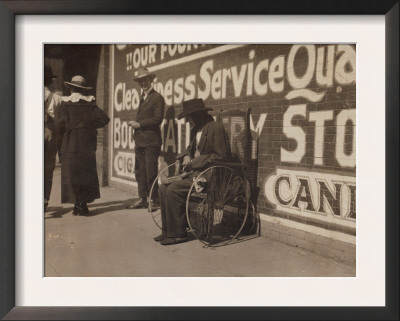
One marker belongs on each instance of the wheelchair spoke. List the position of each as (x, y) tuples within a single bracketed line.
[(226, 187), (217, 217), (232, 190), (220, 186)]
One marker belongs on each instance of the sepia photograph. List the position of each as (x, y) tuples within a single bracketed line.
[(199, 160)]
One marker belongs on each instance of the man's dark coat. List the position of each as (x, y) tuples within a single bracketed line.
[(213, 145), (150, 115)]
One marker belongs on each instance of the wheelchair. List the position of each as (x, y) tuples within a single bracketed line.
[(219, 205)]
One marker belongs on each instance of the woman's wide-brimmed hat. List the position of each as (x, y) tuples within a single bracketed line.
[(77, 82), (192, 106), (144, 72)]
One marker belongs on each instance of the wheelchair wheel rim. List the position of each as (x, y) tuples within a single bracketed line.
[(156, 212), (208, 215)]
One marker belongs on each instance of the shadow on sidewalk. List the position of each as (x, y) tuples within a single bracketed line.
[(94, 208), (106, 207), (57, 211)]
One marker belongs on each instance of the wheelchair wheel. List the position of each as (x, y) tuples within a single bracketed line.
[(217, 205), (251, 227), (154, 209)]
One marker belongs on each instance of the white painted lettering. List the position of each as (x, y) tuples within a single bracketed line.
[(294, 132), (319, 117), (259, 87), (348, 115), (205, 76), (304, 81), (276, 72)]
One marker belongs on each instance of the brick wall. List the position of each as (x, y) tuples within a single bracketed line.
[(302, 100)]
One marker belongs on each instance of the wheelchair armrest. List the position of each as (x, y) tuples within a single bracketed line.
[(229, 164)]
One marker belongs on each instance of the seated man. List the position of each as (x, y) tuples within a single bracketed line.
[(209, 141)]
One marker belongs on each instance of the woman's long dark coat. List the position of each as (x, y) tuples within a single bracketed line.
[(79, 121)]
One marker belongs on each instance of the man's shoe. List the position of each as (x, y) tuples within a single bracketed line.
[(173, 240), (160, 238), (155, 205), (141, 203)]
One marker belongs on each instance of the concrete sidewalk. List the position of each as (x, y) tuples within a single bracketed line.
[(117, 242)]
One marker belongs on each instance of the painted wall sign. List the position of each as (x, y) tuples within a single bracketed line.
[(327, 197), (303, 112)]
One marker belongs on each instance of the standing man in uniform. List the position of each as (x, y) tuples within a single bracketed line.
[(147, 137), (52, 103)]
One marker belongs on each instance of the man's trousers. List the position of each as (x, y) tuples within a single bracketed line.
[(146, 169), (173, 207), (50, 151)]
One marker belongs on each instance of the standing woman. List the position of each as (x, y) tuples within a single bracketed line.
[(79, 119)]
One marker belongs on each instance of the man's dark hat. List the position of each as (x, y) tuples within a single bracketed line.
[(144, 72), (48, 72), (191, 106)]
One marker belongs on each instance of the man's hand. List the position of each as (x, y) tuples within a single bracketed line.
[(186, 161), (134, 124), (47, 135)]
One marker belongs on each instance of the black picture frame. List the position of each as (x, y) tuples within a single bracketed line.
[(8, 11)]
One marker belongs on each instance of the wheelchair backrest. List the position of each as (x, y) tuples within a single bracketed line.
[(243, 142), (237, 124)]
